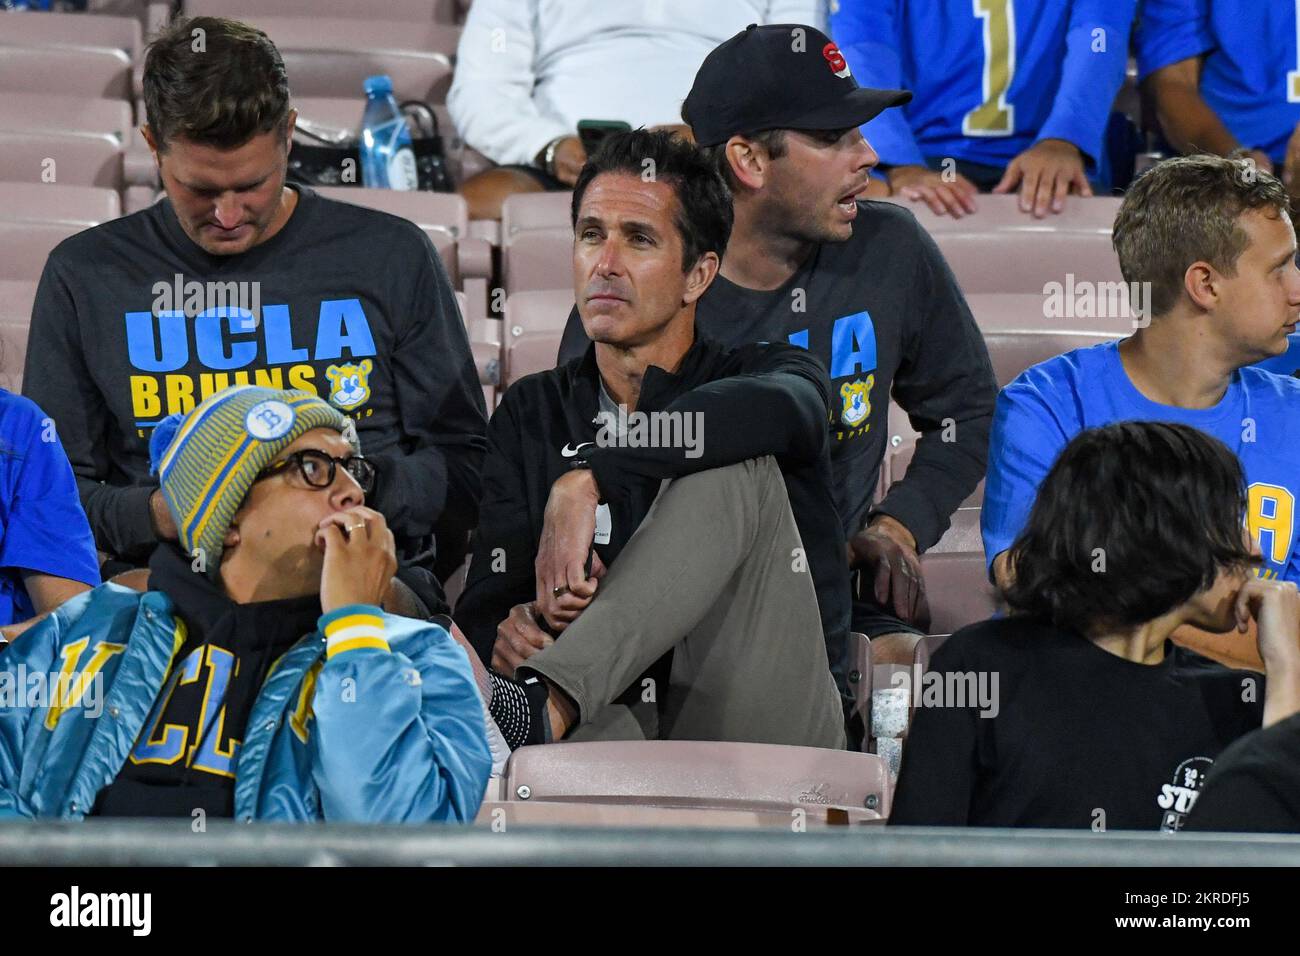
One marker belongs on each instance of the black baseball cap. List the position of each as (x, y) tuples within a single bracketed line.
[(778, 76)]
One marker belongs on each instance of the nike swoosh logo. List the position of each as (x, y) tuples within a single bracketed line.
[(568, 452)]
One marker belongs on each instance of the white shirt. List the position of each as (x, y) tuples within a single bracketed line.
[(528, 70)]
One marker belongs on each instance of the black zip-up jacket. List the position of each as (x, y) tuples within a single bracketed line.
[(763, 399)]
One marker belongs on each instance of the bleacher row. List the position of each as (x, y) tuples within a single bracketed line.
[(70, 92)]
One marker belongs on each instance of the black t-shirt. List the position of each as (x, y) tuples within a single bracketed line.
[(883, 313), (186, 756), (348, 303), (1255, 786), (1075, 737)]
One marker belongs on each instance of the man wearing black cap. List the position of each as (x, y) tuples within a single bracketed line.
[(859, 284)]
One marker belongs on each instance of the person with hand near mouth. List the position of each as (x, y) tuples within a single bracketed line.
[(259, 677), (860, 285)]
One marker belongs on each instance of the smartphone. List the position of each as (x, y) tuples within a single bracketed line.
[(593, 132)]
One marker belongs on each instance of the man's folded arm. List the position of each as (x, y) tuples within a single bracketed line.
[(775, 405)]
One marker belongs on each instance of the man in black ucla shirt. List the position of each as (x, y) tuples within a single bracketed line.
[(235, 278), (858, 284)]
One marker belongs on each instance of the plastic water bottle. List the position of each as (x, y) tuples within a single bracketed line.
[(387, 159)]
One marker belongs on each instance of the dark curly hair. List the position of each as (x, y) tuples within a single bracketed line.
[(1131, 521)]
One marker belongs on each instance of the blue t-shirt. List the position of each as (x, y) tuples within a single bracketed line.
[(1047, 405), (1250, 76), (989, 79), (42, 526)]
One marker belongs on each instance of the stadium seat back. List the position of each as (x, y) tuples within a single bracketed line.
[(420, 11), (537, 242), (75, 159), (48, 202), (68, 71), (13, 353), (1013, 351), (533, 326), (331, 57), (958, 590), (1000, 249), (700, 774), (433, 212), (87, 30), (325, 31), (1000, 312), (24, 247), (67, 114), (333, 73), (16, 299)]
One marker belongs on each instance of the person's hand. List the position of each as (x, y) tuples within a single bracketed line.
[(360, 558), (518, 638), (570, 157), (917, 183), (1046, 173), (885, 554), (164, 525), (568, 529), (1275, 606)]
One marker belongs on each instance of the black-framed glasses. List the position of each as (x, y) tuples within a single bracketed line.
[(317, 468)]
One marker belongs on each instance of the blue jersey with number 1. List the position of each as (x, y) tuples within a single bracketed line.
[(989, 77), (1251, 74)]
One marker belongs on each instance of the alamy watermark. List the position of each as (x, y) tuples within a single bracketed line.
[(974, 689), (192, 297), (52, 692), (1084, 299), (652, 430)]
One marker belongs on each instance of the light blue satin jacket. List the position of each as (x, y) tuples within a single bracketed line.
[(371, 718)]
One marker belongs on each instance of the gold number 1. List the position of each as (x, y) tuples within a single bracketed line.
[(995, 116)]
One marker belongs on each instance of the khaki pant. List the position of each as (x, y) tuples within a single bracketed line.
[(716, 574)]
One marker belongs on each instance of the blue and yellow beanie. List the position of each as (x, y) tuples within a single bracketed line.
[(206, 461)]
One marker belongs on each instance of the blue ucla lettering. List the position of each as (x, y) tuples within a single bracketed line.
[(166, 352), (210, 343), (853, 345), (279, 336), (226, 337), (799, 338), (343, 324)]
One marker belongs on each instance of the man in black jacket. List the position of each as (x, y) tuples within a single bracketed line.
[(703, 473), (859, 284)]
